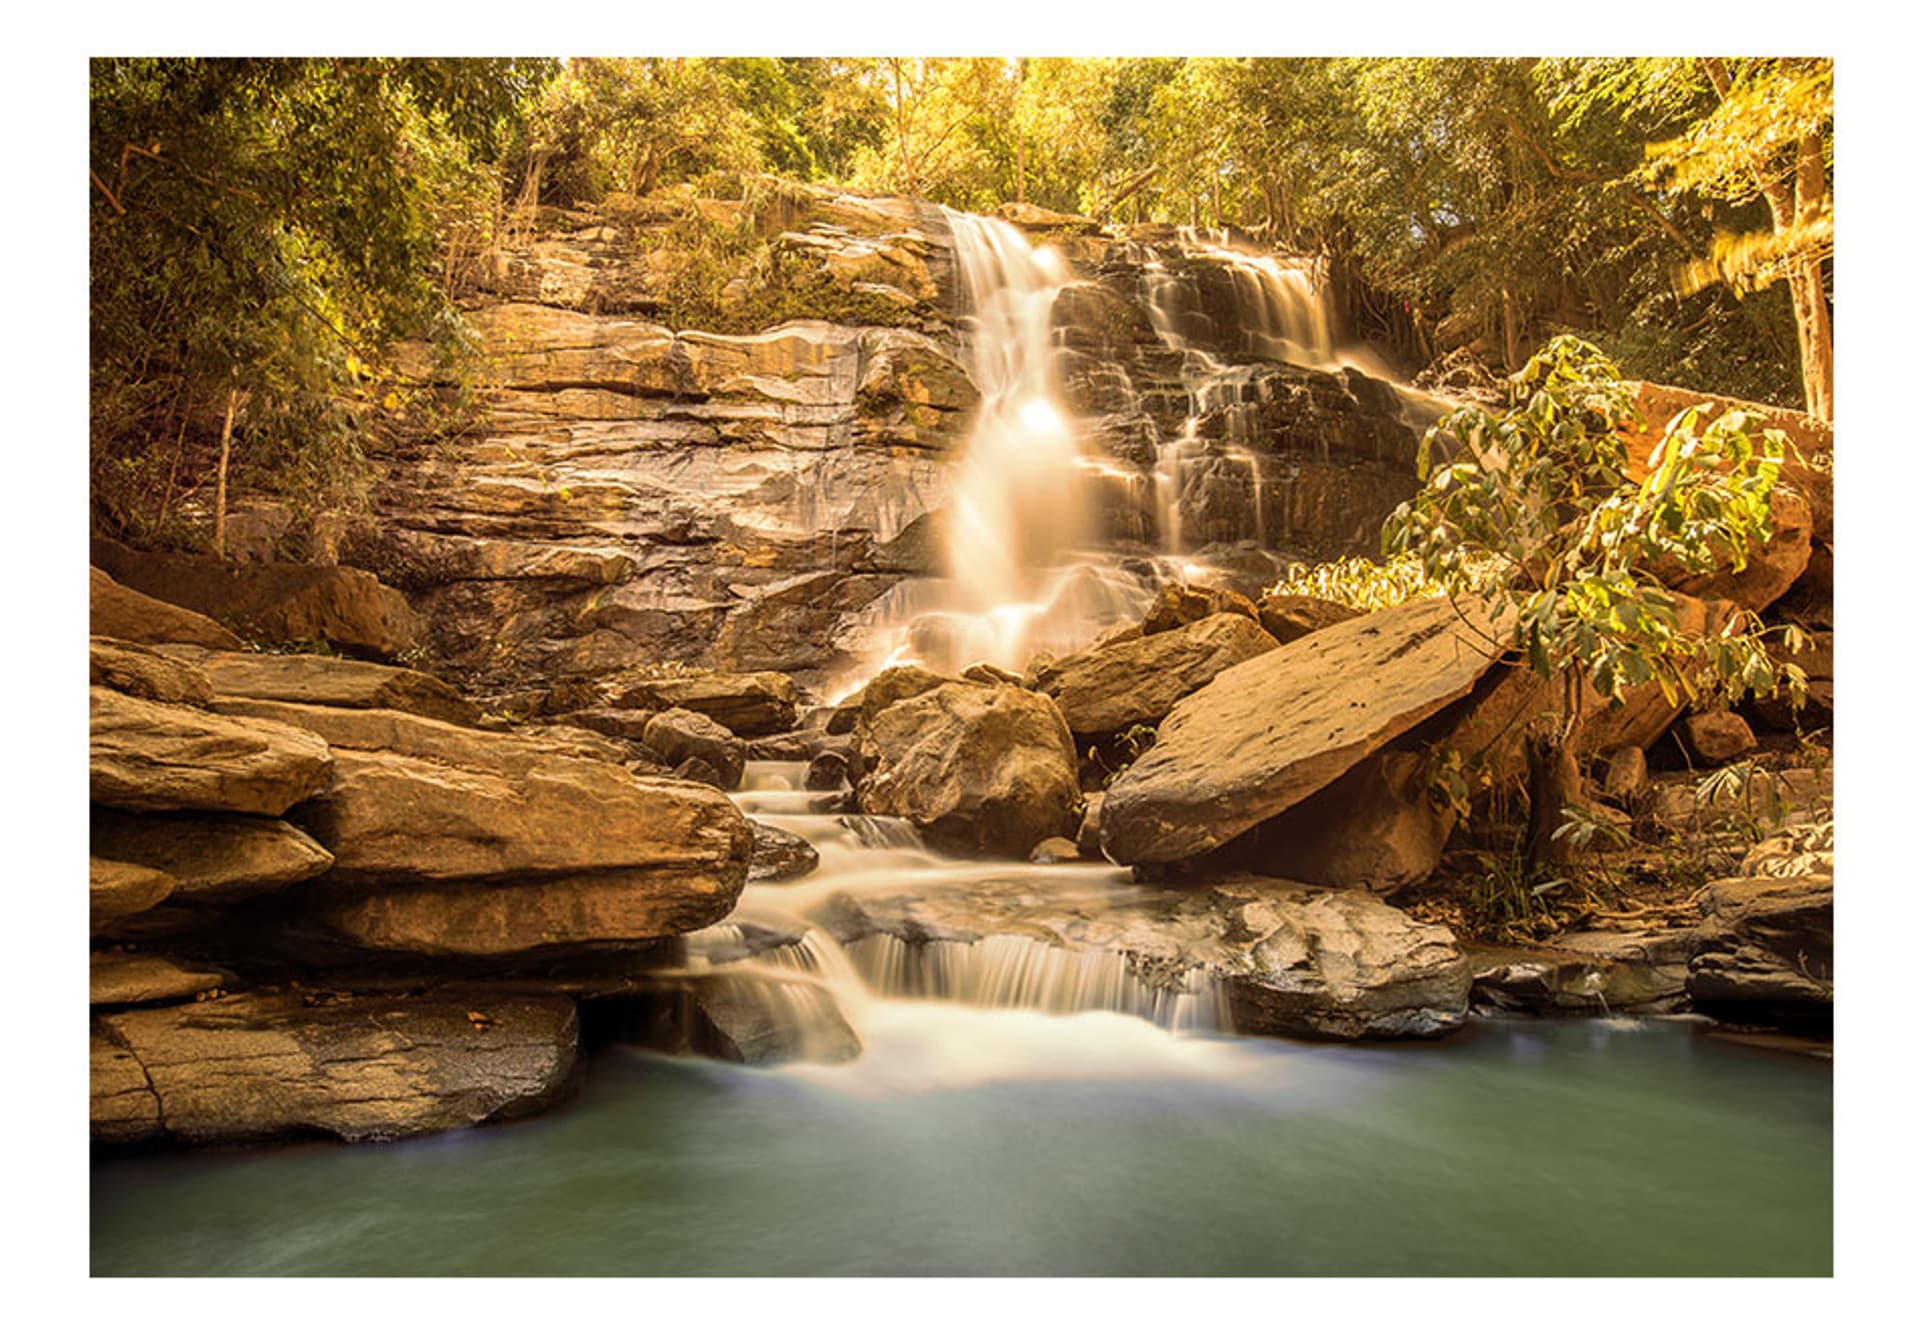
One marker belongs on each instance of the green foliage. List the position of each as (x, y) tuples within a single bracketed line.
[(1541, 495), (1360, 583), (261, 231)]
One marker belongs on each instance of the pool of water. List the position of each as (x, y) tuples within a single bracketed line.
[(1005, 1143)]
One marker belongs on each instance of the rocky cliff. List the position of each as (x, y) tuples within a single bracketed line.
[(636, 492)]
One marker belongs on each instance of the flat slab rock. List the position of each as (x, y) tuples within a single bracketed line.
[(115, 978), (1268, 733), (148, 756), (263, 1066), (1289, 960), (311, 678), (212, 858)]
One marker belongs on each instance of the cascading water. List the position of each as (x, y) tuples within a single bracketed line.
[(770, 943)]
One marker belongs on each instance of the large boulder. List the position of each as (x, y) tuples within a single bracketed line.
[(411, 734), (1764, 953), (265, 1066), (745, 703), (309, 678), (118, 612), (537, 852), (393, 819), (1375, 827), (1107, 690), (977, 769), (211, 858), (147, 756), (274, 602), (1245, 953), (1269, 733)]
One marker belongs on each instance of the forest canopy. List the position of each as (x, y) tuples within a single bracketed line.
[(263, 231)]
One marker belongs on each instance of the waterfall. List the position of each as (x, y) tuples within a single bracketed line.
[(1016, 501)]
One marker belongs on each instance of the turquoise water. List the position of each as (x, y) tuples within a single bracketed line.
[(974, 1142)]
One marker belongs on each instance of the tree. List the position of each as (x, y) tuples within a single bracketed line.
[(1769, 135), (260, 232), (1533, 509)]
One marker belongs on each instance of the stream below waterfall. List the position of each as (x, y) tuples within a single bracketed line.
[(972, 1138)]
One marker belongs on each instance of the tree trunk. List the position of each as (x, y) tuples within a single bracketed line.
[(1553, 783), (220, 482), (1810, 314)]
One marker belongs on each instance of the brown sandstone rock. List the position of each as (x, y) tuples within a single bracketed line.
[(153, 757), (212, 859), (1291, 616), (679, 735), (121, 665), (1715, 737), (263, 1066), (1764, 953), (115, 978), (1107, 690), (1181, 604), (306, 678), (121, 889), (274, 602), (1375, 827), (1267, 734), (748, 704), (395, 820), (978, 769), (119, 612)]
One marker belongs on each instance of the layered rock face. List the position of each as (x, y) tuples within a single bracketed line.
[(641, 493), (262, 818)]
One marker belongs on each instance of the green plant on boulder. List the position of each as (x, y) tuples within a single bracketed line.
[(1535, 509)]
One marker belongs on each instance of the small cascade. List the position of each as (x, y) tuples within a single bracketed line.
[(1023, 973)]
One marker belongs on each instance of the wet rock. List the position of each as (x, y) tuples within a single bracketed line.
[(893, 685), (263, 1066), (1763, 954), (746, 704), (146, 756), (1279, 958), (307, 678), (1107, 690), (118, 612), (117, 890), (746, 1018), (679, 735), (212, 859), (1291, 616), (116, 978), (1716, 737), (131, 669), (977, 769), (1593, 972), (1088, 837), (986, 674), (1272, 731), (1182, 604), (274, 602), (787, 747), (779, 855), (1049, 851), (826, 772)]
